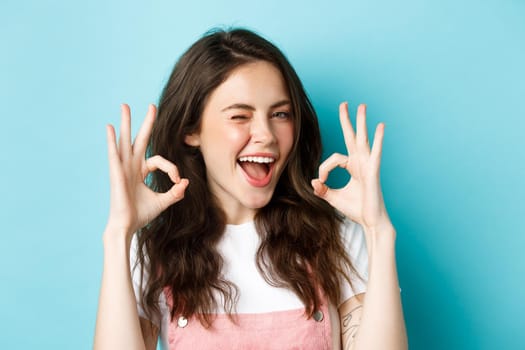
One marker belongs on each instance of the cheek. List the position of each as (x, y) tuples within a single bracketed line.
[(236, 136), (286, 136), (220, 139)]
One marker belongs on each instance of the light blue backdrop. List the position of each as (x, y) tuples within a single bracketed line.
[(447, 77)]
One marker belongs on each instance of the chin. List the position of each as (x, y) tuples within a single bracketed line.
[(257, 202)]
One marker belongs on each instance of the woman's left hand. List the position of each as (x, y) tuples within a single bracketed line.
[(361, 199)]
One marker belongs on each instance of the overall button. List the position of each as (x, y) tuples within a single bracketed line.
[(182, 322), (318, 316)]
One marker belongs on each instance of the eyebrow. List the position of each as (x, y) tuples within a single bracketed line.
[(251, 108)]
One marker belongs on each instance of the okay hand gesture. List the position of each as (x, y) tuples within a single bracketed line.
[(361, 199), (133, 203)]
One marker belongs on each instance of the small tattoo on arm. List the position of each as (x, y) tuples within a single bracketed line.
[(350, 327)]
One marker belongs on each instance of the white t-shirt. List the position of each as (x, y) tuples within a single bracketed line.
[(238, 247)]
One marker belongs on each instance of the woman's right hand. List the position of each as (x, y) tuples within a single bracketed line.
[(133, 203)]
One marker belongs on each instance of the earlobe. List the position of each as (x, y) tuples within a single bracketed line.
[(192, 140)]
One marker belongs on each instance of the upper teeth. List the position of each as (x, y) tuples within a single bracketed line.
[(257, 159)]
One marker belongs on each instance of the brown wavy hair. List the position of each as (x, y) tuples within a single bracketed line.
[(301, 248)]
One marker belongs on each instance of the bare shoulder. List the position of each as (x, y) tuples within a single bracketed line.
[(150, 333), (350, 315)]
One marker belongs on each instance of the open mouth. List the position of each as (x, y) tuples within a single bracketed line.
[(258, 170)]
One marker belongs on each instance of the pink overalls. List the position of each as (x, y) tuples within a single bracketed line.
[(280, 330)]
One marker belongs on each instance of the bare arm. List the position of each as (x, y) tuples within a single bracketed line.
[(375, 320), (117, 324), (379, 323), (350, 313), (133, 204)]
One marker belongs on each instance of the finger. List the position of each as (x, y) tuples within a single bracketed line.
[(330, 163), (377, 146), (319, 187), (125, 133), (323, 191), (346, 125), (158, 162), (113, 155), (111, 140), (142, 139), (175, 193), (362, 133)]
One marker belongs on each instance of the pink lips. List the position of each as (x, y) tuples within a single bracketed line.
[(264, 181)]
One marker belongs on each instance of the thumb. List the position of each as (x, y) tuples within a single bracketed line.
[(175, 193)]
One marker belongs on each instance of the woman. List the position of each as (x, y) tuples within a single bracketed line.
[(238, 246)]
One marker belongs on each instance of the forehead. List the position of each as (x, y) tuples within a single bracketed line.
[(257, 83)]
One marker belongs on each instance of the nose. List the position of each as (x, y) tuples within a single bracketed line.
[(261, 130)]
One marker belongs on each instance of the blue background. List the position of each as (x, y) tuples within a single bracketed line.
[(447, 77)]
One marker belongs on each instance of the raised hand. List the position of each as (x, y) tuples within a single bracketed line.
[(361, 199), (133, 204)]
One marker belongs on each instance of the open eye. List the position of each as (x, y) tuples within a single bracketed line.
[(281, 115)]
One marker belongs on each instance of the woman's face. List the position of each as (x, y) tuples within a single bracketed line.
[(245, 137)]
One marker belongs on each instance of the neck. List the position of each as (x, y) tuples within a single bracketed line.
[(239, 215)]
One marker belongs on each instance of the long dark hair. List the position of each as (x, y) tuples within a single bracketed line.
[(301, 246)]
